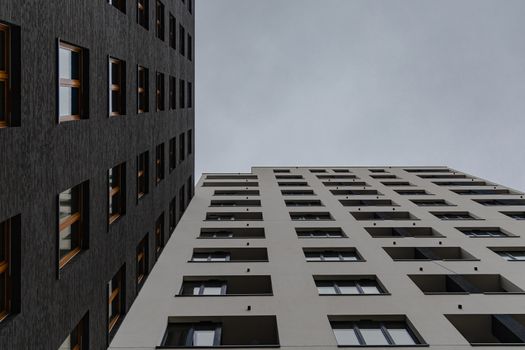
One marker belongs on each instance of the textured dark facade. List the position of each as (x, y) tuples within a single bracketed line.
[(40, 158)]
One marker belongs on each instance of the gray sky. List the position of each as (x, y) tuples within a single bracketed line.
[(347, 82)]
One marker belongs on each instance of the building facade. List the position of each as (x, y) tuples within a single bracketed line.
[(321, 257), (97, 164)]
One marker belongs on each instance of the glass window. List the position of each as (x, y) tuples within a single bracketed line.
[(142, 260), (347, 287), (159, 235), (70, 81), (373, 336), (70, 223), (4, 75), (190, 95), (173, 92), (159, 163), (159, 14), (142, 89), (211, 290), (373, 333), (115, 299), (203, 337), (142, 175), (182, 147), (116, 192), (173, 24), (513, 255), (142, 13), (5, 276), (401, 336), (77, 339), (120, 4), (182, 38), (173, 154), (117, 96), (160, 92), (326, 289), (181, 93), (172, 215), (346, 336)]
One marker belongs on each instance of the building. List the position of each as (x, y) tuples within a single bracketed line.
[(316, 258), (96, 167)]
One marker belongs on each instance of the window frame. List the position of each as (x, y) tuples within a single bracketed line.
[(357, 326), (71, 83), (159, 163), (160, 92), (172, 154), (6, 268), (160, 25), (357, 283), (142, 89), (77, 217), (143, 13), (119, 88), (142, 262), (119, 190), (142, 175), (116, 293), (5, 75)]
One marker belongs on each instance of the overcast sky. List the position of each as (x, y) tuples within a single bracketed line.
[(348, 82)]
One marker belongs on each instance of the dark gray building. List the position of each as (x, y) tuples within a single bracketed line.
[(96, 161)]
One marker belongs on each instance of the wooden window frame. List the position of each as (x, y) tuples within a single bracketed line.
[(5, 74), (119, 87), (143, 90), (70, 221), (72, 83), (114, 294), (160, 92), (159, 235), (142, 261), (142, 174), (117, 191), (5, 268)]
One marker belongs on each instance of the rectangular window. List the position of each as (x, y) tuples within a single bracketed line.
[(173, 92), (190, 6), (142, 13), (483, 232), (72, 77), (142, 174), (173, 154), (182, 147), (190, 95), (181, 201), (348, 287), (160, 92), (117, 192), (7, 87), (142, 90), (9, 266), (159, 20), (190, 142), (173, 36), (117, 87), (159, 235), (116, 299), (190, 47), (159, 163), (142, 261), (119, 4), (78, 338), (181, 93), (331, 255), (172, 215), (374, 333), (182, 38), (189, 187), (72, 215), (518, 255)]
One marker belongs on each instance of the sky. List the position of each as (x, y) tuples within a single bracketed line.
[(361, 82)]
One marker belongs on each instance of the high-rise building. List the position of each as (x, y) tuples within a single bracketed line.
[(320, 258), (96, 161)]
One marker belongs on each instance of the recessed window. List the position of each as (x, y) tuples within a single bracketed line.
[(173, 154), (226, 285), (173, 36), (212, 255), (9, 266), (338, 176), (182, 88), (142, 13), (72, 214), (142, 261), (412, 192), (159, 163), (461, 183), (159, 20), (172, 215), (182, 38), (368, 203), (383, 215), (345, 183), (190, 142), (428, 253), (502, 202), (182, 202), (334, 232), (236, 193), (428, 170), (377, 170), (479, 191), (72, 76), (483, 232), (464, 284), (311, 216), (454, 215), (119, 4), (116, 299), (117, 87), (351, 285), (516, 215), (317, 171), (190, 47), (297, 192), (117, 192), (234, 216), (384, 176), (189, 187), (292, 183), (142, 174), (224, 233), (78, 338), (490, 329), (512, 255), (142, 90), (328, 255), (422, 232), (159, 235), (355, 192), (280, 171), (396, 183), (303, 203), (230, 184), (9, 76), (431, 202), (190, 6), (374, 333), (190, 95), (159, 92), (173, 93), (182, 147)]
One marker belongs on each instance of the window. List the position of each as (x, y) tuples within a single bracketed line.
[(516, 215), (190, 47), (190, 6), (182, 147), (378, 232), (182, 36), (173, 37), (189, 188), (464, 284), (159, 163), (117, 192), (235, 216), (181, 93), (117, 86), (116, 300), (454, 216), (142, 261), (303, 203), (331, 255), (348, 287), (311, 216), (159, 235), (430, 202), (119, 4), (172, 215), (72, 77), (142, 174), (383, 215), (159, 20), (428, 253), (78, 338), (490, 329), (72, 214), (182, 204), (483, 233), (496, 202), (225, 285), (229, 255), (142, 13), (511, 255), (205, 288), (190, 142), (9, 76), (9, 266), (211, 256), (320, 232), (368, 203), (225, 233), (142, 90), (367, 333), (159, 92), (4, 75), (190, 95), (173, 92), (173, 154), (411, 192)]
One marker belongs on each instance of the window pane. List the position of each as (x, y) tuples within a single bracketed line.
[(313, 257), (323, 290), (3, 100), (370, 290), (203, 337), (115, 73), (373, 336), (401, 336), (69, 101), (68, 203), (518, 255), (114, 102), (348, 288), (3, 238), (66, 345), (331, 256), (69, 239), (3, 291), (3, 42), (349, 256), (346, 337), (212, 291), (69, 64)]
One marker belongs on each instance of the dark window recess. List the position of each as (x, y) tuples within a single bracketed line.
[(159, 235), (230, 184), (348, 285), (431, 202), (428, 170), (182, 38), (245, 232), (311, 216), (159, 163), (487, 329), (412, 192), (172, 93), (117, 87), (9, 75), (182, 89), (428, 253), (331, 254), (236, 203), (189, 188), (378, 232), (142, 261), (336, 176), (142, 13), (340, 170), (9, 267), (142, 90), (160, 92), (303, 203), (396, 183), (229, 255), (221, 331), (333, 232), (189, 94), (182, 201), (297, 192), (182, 147), (78, 338), (484, 232), (450, 284), (190, 6), (119, 4), (461, 183), (117, 192), (368, 203), (510, 253), (116, 301), (225, 285), (190, 47), (345, 183), (73, 82), (236, 193), (190, 142), (385, 176), (231, 177), (315, 171), (516, 215), (474, 192), (355, 192), (454, 215), (502, 202), (377, 170), (237, 216), (159, 20), (383, 215), (142, 174), (173, 34), (172, 154), (280, 171), (289, 177), (172, 215), (444, 176), (292, 183)]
